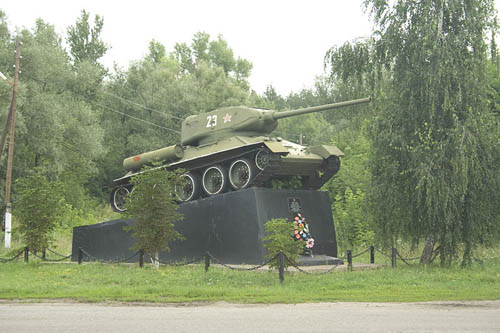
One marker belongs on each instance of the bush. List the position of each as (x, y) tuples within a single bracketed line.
[(280, 238)]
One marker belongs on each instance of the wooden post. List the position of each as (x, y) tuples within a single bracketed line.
[(372, 254), (10, 156), (26, 254)]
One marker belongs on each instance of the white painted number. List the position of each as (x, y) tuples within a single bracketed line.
[(212, 121)]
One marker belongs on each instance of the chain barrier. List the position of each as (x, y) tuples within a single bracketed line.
[(109, 261), (239, 268), (361, 253), (479, 261), (408, 259), (176, 264), (13, 258), (382, 253), (58, 254), (296, 266), (49, 260), (356, 255), (405, 260)]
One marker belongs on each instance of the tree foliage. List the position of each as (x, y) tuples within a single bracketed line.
[(39, 207), (279, 238), (84, 39), (152, 205), (434, 156)]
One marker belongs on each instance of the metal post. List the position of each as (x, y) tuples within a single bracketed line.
[(141, 258), (80, 255), (393, 257), (207, 262), (372, 254), (26, 254), (11, 145), (282, 266), (349, 260)]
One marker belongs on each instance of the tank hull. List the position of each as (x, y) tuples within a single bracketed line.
[(284, 160)]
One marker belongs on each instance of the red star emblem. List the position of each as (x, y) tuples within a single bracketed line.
[(227, 118)]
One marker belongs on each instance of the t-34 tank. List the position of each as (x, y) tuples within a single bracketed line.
[(231, 149)]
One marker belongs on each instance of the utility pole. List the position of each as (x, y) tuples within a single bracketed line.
[(7, 121), (12, 111), (5, 131)]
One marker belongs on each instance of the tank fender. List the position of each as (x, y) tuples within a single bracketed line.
[(276, 147), (325, 151)]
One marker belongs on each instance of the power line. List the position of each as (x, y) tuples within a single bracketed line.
[(127, 115), (142, 106), (135, 91)]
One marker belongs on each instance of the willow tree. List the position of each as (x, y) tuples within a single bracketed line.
[(434, 160)]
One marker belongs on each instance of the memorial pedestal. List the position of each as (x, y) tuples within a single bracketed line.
[(230, 226)]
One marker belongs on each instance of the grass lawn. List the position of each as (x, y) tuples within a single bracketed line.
[(94, 282)]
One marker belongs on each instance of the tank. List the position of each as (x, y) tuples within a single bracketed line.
[(232, 148)]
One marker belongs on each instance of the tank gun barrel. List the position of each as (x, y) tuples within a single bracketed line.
[(284, 114)]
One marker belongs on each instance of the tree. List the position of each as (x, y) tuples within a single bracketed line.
[(205, 53), (162, 89), (434, 159), (39, 206), (152, 204), (84, 40), (58, 130)]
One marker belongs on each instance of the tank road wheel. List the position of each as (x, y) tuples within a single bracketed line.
[(118, 198), (241, 172), (214, 180), (190, 189), (262, 159)]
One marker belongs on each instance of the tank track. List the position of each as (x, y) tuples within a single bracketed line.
[(260, 171)]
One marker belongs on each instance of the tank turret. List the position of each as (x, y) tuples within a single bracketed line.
[(232, 148), (231, 121)]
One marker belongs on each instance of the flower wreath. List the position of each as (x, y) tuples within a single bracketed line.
[(301, 231)]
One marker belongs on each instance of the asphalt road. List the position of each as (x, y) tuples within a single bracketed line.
[(224, 317)]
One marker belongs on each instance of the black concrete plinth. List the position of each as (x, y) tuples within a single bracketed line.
[(230, 226)]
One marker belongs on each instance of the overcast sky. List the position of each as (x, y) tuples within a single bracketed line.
[(285, 40)]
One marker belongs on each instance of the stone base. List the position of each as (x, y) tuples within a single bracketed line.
[(317, 260), (230, 226)]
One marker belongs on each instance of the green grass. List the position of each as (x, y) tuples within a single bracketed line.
[(93, 282)]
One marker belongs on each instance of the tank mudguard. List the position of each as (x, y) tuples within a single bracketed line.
[(276, 147), (326, 151)]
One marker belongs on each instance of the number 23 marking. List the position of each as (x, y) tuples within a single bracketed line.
[(212, 121)]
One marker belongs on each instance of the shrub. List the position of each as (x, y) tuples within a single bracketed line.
[(280, 238)]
